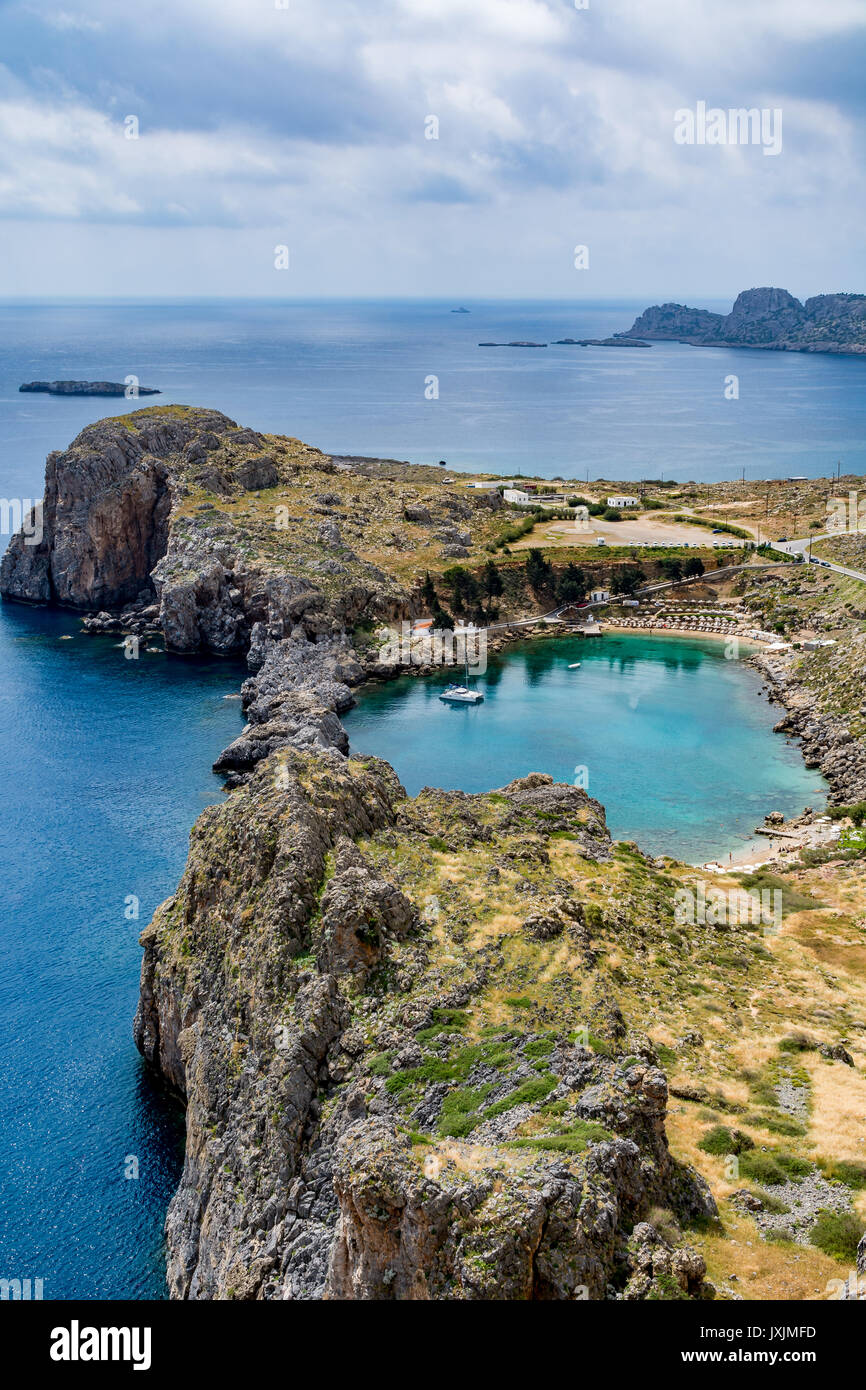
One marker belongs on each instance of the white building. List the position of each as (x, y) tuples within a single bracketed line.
[(600, 595), (521, 498), (623, 501)]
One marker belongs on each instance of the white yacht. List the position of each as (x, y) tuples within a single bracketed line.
[(461, 695)]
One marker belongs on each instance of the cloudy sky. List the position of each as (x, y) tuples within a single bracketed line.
[(303, 123)]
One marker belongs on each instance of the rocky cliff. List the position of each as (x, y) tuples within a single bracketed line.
[(763, 318), (405, 1073), (181, 508), (237, 538)]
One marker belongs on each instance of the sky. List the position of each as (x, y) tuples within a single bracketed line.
[(171, 148)]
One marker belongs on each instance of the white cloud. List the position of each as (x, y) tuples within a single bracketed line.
[(262, 123)]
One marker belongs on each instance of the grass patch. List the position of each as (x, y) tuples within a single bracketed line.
[(460, 1111), (774, 1205), (791, 1129), (774, 1168), (579, 1135), (838, 1233), (847, 1171), (792, 899), (444, 1021), (455, 1068), (527, 1094)]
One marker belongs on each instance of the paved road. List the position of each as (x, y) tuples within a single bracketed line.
[(801, 547)]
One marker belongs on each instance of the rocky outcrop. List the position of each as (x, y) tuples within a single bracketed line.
[(825, 738), (108, 498), (288, 991), (86, 388), (120, 532), (763, 318)]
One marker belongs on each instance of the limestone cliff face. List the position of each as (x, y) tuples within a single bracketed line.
[(128, 518), (766, 318), (105, 519)]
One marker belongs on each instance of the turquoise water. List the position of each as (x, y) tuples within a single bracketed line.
[(349, 377), (105, 765), (676, 741)]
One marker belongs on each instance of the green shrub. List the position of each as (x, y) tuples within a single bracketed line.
[(721, 1140), (460, 1111), (665, 1289), (793, 1166), (762, 1168), (838, 1233), (455, 1018)]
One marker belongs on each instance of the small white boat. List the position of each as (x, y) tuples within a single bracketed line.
[(574, 665), (461, 695)]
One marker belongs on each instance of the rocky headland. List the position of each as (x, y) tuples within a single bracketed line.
[(763, 318), (370, 1113), (423, 1043)]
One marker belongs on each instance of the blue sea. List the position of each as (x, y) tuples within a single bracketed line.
[(352, 378), (106, 762)]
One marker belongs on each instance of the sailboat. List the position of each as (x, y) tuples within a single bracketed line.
[(461, 694)]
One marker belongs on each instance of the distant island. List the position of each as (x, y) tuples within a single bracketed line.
[(762, 318), (461, 311), (86, 388), (619, 340)]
